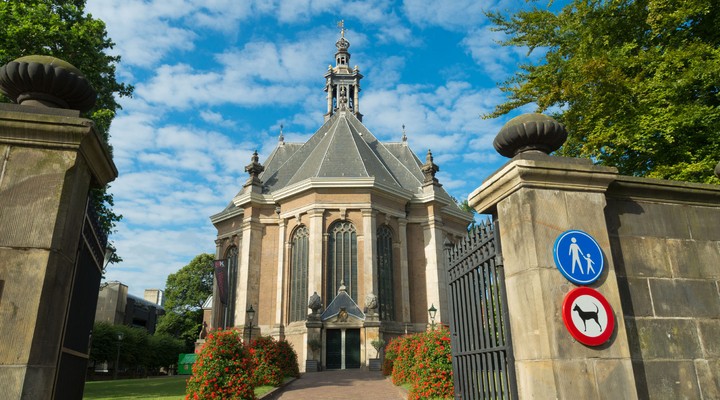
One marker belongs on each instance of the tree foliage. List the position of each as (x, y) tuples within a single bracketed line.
[(62, 29), (636, 82), (185, 293), (138, 349)]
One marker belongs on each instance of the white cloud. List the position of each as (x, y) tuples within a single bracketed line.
[(142, 30), (216, 118), (150, 255), (449, 14)]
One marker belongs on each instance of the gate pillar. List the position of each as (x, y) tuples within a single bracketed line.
[(49, 158), (535, 198)]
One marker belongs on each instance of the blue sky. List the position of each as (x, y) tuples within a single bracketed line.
[(215, 79)]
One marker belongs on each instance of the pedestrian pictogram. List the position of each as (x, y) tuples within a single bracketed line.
[(588, 316), (578, 257)]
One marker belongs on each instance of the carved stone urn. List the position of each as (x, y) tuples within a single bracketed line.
[(530, 132), (46, 81)]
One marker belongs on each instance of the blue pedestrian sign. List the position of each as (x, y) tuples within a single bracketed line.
[(578, 257)]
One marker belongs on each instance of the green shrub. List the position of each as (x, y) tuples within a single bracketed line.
[(223, 369)]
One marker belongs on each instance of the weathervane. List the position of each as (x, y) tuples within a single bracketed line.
[(341, 25)]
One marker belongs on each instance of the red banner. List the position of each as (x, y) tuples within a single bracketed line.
[(221, 277)]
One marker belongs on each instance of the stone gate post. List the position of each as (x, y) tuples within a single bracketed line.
[(535, 198), (49, 158)]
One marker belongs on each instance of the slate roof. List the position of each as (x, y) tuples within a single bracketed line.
[(340, 302), (342, 147)]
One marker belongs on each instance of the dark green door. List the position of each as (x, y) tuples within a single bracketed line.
[(352, 348), (333, 348)]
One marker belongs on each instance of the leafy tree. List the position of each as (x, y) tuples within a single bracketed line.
[(185, 293), (61, 28), (164, 351), (636, 82), (138, 349)]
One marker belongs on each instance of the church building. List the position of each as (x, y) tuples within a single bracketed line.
[(337, 241)]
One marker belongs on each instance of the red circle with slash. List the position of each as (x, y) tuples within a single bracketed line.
[(588, 316)]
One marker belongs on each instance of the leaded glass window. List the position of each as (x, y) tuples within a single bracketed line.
[(342, 259), (386, 304), (232, 270), (299, 274)]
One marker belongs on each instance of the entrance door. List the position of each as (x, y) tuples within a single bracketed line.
[(352, 348), (342, 348), (333, 348)]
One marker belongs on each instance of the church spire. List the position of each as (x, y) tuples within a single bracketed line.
[(342, 84)]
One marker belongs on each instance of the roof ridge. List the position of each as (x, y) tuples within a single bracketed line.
[(352, 136), (391, 154)]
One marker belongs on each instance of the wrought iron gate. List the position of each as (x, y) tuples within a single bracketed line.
[(483, 366)]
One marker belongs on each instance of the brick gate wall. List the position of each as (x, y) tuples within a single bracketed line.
[(665, 243)]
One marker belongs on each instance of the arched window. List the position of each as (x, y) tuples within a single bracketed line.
[(386, 304), (232, 270), (299, 275), (342, 259)]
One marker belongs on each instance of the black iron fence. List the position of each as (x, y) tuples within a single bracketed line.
[(483, 366), (70, 379)]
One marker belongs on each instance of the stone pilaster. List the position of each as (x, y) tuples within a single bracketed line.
[(535, 198), (315, 253), (435, 281), (370, 275), (283, 250), (404, 272), (248, 268)]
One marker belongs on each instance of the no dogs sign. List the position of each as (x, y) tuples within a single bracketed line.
[(588, 316)]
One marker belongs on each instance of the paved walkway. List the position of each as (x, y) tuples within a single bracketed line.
[(348, 384)]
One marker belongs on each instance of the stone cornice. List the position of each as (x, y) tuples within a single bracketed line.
[(315, 183), (663, 191), (252, 197), (546, 172), (224, 215), (57, 131)]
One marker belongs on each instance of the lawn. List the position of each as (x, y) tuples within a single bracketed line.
[(170, 388)]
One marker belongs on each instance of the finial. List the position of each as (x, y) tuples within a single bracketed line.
[(429, 169), (530, 133), (46, 81), (341, 25), (342, 44), (281, 139), (254, 169), (404, 137)]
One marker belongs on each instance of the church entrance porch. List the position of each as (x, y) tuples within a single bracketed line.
[(343, 348)]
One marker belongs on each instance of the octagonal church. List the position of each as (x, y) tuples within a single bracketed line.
[(337, 241)]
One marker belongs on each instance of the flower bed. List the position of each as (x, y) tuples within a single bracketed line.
[(223, 369), (227, 369), (422, 360)]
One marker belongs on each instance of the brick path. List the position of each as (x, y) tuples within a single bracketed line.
[(348, 384)]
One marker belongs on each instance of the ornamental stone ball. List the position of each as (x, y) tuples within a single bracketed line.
[(46, 81), (530, 132), (717, 170)]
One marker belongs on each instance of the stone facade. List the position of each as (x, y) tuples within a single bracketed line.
[(662, 250)]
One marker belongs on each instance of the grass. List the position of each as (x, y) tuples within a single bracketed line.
[(170, 388)]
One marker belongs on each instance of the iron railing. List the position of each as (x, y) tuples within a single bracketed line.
[(483, 365)]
